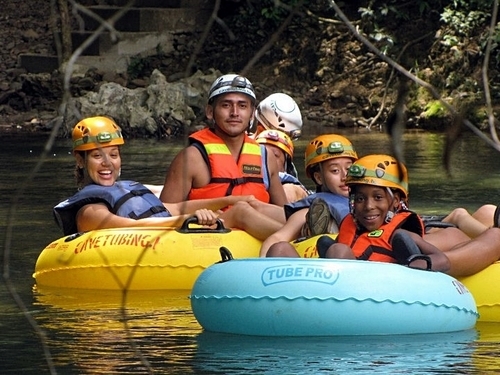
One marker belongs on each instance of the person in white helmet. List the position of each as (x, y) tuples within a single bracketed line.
[(222, 160), (279, 111)]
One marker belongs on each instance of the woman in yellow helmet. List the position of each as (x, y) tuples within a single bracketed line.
[(104, 202)]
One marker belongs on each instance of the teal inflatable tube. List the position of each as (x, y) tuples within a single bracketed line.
[(326, 297)]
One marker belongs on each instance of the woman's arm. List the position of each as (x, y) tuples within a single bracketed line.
[(214, 204), (97, 216)]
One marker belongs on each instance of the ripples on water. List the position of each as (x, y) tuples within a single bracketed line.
[(85, 330), (86, 335)]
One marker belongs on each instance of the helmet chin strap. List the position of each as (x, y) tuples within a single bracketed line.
[(390, 193), (390, 214)]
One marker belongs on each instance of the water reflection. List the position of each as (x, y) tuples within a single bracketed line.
[(368, 354), (89, 332), (85, 330), (86, 334), (485, 357)]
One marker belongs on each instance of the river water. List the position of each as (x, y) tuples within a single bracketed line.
[(87, 332)]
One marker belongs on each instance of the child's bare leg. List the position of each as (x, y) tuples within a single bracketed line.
[(445, 239), (467, 223), (475, 255), (484, 214), (271, 210), (282, 249), (339, 251)]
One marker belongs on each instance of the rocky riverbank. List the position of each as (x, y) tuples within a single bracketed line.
[(335, 79)]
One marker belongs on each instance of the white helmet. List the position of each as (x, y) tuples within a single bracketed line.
[(279, 111), (231, 83)]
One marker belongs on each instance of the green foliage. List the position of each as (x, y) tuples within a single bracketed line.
[(379, 13), (276, 11), (463, 21), (137, 66), (434, 109), (383, 11), (495, 43), (463, 17)]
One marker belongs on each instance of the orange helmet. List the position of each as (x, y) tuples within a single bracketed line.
[(379, 170), (328, 146), (95, 132), (278, 139)]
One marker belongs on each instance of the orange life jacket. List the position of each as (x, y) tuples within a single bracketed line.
[(228, 177), (376, 245)]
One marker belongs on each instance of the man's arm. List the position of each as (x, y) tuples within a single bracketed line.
[(180, 177)]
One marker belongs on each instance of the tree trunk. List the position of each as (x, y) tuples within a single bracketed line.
[(67, 47)]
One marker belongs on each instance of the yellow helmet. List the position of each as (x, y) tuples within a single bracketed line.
[(328, 146), (278, 139), (379, 170), (95, 132)]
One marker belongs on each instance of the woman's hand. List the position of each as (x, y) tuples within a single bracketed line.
[(207, 217)]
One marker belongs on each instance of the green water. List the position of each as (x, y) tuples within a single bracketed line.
[(85, 331)]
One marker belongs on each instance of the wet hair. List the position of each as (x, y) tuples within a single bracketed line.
[(79, 171), (313, 169)]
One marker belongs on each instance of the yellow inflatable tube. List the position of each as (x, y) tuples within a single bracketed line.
[(144, 258), (138, 258), (306, 247), (484, 287), (172, 259)]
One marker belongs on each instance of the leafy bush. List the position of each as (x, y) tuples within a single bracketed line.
[(276, 11)]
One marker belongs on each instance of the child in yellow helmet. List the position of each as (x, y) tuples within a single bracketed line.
[(327, 159), (380, 227), (450, 250)]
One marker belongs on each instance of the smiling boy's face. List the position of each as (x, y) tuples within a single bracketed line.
[(371, 204)]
